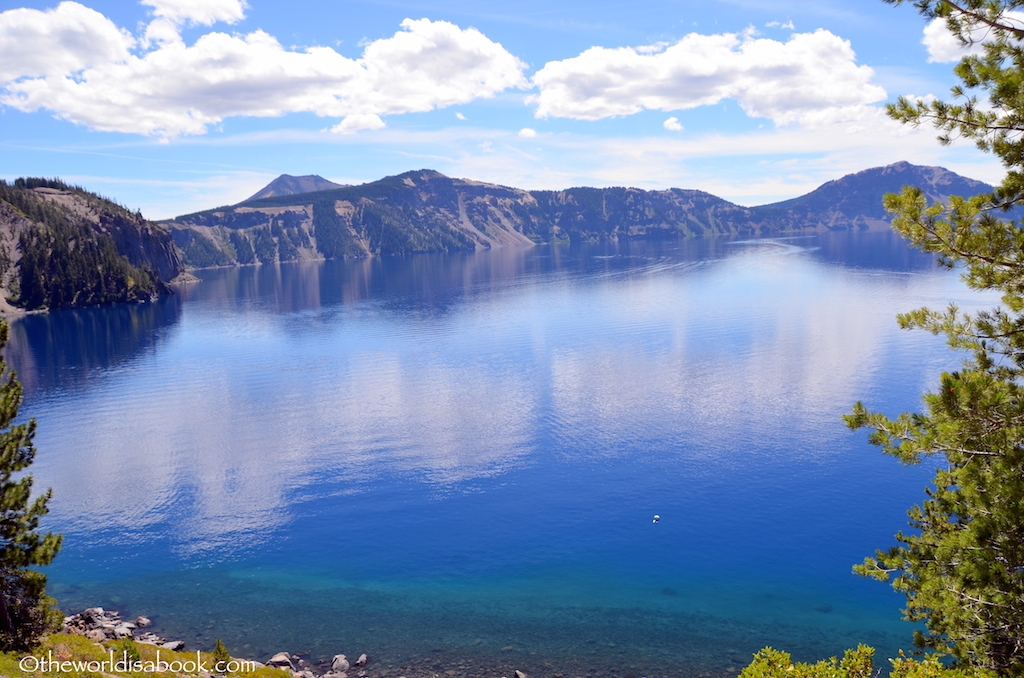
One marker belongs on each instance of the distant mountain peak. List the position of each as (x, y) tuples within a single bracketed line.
[(413, 177), (286, 184)]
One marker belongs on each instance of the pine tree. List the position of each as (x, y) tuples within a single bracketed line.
[(25, 611), (962, 568), (221, 658)]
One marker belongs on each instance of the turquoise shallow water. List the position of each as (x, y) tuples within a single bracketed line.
[(442, 457)]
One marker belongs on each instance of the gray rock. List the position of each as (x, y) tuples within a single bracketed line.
[(148, 639), (363, 660), (281, 660), (174, 645), (520, 674), (96, 634), (122, 631), (142, 622), (339, 664)]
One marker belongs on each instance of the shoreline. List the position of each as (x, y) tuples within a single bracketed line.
[(476, 660)]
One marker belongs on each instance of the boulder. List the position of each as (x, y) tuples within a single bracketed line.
[(174, 645), (149, 639), (363, 660), (281, 660), (339, 664), (142, 622), (96, 634)]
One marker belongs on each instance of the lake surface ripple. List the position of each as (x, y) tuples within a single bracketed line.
[(455, 459)]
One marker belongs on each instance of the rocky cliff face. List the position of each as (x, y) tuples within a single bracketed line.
[(426, 211), (63, 247)]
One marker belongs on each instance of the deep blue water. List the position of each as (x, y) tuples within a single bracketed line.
[(448, 455)]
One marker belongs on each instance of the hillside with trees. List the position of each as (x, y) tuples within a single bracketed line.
[(63, 247)]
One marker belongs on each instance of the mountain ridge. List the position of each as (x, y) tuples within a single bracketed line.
[(424, 210)]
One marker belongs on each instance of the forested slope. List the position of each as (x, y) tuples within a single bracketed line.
[(63, 247)]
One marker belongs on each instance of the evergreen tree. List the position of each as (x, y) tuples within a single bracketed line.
[(25, 611), (221, 658), (962, 569)]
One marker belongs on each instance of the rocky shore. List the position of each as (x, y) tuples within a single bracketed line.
[(102, 625)]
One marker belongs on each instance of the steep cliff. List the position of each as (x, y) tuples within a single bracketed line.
[(63, 247)]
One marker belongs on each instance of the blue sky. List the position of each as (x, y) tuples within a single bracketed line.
[(172, 106)]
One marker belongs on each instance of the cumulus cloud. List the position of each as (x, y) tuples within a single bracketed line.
[(528, 133), (672, 124), (66, 39), (357, 123), (176, 89), (812, 78), (203, 12), (942, 46)]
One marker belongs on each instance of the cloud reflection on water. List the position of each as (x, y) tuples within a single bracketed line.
[(274, 387)]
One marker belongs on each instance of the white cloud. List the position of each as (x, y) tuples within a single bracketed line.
[(528, 133), (358, 122), (460, 116), (177, 89), (779, 24), (203, 12), (672, 124), (943, 47), (63, 40), (812, 79)]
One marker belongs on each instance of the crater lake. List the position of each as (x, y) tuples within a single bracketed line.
[(454, 460)]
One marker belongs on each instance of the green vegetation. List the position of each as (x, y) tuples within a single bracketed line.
[(65, 261), (769, 663), (73, 656), (220, 656), (962, 567), (200, 251), (25, 611), (244, 253), (126, 648), (68, 265)]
